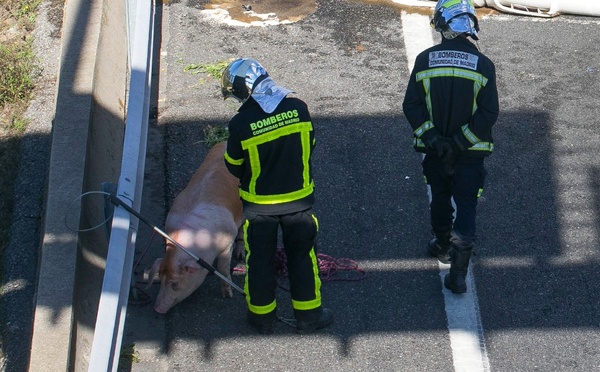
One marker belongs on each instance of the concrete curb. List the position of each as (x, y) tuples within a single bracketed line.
[(53, 319)]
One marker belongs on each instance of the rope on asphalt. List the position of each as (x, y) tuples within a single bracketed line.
[(330, 269)]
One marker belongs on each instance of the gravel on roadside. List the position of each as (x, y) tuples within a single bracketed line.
[(21, 254)]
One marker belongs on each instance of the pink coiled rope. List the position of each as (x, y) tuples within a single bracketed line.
[(329, 268)]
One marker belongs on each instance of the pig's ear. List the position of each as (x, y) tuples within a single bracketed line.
[(191, 267)]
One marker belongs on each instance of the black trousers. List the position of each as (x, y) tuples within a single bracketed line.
[(299, 231), (465, 186)]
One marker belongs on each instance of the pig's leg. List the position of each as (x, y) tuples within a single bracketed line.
[(224, 267), (153, 273)]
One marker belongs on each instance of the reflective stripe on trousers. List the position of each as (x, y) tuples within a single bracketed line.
[(299, 232)]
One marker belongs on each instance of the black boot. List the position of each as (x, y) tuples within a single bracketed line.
[(439, 251), (455, 280), (263, 323), (439, 246), (309, 324)]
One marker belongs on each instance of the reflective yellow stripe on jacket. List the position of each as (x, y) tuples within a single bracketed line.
[(251, 145), (479, 81)]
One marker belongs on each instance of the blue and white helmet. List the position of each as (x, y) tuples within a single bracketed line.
[(455, 17)]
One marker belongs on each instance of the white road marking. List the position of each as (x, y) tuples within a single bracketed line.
[(462, 311), (417, 35), (404, 265)]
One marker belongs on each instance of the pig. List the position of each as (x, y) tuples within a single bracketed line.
[(205, 218)]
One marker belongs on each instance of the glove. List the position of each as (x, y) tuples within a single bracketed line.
[(442, 148), (448, 151), (451, 157)]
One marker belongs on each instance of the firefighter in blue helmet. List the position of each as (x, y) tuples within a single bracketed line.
[(451, 103), (269, 149)]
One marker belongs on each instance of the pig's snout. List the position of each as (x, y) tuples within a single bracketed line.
[(160, 309), (163, 308)]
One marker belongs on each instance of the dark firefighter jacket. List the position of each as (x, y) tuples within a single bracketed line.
[(452, 93), (271, 156)]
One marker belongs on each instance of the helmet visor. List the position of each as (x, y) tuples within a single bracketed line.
[(226, 84), (462, 24)]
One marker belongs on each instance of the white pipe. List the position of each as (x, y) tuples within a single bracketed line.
[(544, 8)]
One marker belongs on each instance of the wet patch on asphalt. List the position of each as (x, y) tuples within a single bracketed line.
[(259, 12), (274, 12)]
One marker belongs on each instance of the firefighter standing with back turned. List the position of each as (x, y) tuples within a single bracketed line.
[(451, 103), (269, 149)]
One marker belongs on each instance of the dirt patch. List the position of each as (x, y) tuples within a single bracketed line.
[(55, 17)]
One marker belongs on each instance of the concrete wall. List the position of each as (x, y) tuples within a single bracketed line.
[(87, 142)]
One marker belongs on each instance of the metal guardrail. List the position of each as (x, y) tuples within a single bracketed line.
[(119, 262)]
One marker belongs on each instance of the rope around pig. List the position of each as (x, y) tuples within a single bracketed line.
[(329, 268)]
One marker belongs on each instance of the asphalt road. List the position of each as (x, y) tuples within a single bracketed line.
[(539, 224)]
